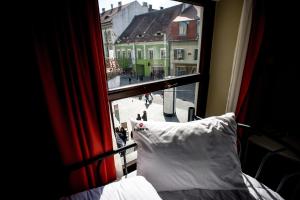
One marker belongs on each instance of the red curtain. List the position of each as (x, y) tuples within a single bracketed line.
[(70, 64), (254, 47)]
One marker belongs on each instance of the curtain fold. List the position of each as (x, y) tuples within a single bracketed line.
[(70, 61), (254, 47), (239, 56)]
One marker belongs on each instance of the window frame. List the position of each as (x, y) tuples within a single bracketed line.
[(124, 53), (118, 56), (149, 57), (177, 53), (196, 53), (165, 54), (182, 29), (138, 50), (129, 51), (202, 77)]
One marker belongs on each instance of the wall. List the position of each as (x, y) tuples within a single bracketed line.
[(227, 18), (124, 18)]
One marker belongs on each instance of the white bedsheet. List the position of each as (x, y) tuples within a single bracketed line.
[(133, 188), (254, 190)]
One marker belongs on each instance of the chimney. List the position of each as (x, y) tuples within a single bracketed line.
[(119, 3), (161, 8), (145, 4), (112, 6), (103, 10), (150, 7)]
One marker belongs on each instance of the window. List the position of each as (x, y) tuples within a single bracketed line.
[(139, 54), (182, 28), (150, 54), (129, 53), (109, 36), (173, 82), (162, 53), (118, 54), (178, 54), (195, 54)]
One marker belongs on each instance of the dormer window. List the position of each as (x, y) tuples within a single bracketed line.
[(106, 17), (158, 33), (139, 35), (182, 28)]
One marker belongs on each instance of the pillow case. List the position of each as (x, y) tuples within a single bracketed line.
[(182, 156)]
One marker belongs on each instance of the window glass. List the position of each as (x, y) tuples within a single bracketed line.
[(150, 54), (160, 46), (195, 54), (182, 28), (163, 105), (129, 53), (139, 55), (162, 53), (156, 47)]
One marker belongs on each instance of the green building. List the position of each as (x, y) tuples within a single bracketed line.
[(150, 59), (143, 48)]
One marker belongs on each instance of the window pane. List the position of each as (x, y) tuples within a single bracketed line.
[(164, 105), (161, 41)]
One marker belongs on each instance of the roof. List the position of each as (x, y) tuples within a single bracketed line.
[(149, 26), (108, 15)]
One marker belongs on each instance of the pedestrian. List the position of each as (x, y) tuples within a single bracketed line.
[(123, 135), (120, 142), (147, 97), (144, 117), (129, 80), (138, 117), (151, 97)]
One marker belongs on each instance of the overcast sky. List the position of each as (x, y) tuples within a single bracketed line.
[(156, 4)]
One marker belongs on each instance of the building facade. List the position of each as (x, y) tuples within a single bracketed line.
[(160, 43), (115, 21), (184, 41), (143, 48)]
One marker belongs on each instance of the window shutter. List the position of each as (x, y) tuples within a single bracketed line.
[(196, 54)]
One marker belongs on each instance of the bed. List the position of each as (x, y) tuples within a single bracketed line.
[(194, 160), (140, 187)]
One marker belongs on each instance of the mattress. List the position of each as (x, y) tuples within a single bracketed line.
[(253, 190)]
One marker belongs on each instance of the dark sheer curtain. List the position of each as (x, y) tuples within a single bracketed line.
[(268, 97), (69, 98), (254, 48)]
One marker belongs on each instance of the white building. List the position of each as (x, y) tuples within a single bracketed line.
[(116, 20)]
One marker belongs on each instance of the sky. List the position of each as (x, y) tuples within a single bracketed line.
[(156, 4)]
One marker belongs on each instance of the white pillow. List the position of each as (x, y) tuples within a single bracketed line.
[(133, 188), (181, 156)]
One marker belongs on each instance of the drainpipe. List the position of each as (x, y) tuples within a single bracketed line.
[(165, 47)]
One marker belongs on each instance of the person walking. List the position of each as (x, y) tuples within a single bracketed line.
[(147, 98), (123, 135), (138, 117), (144, 117)]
